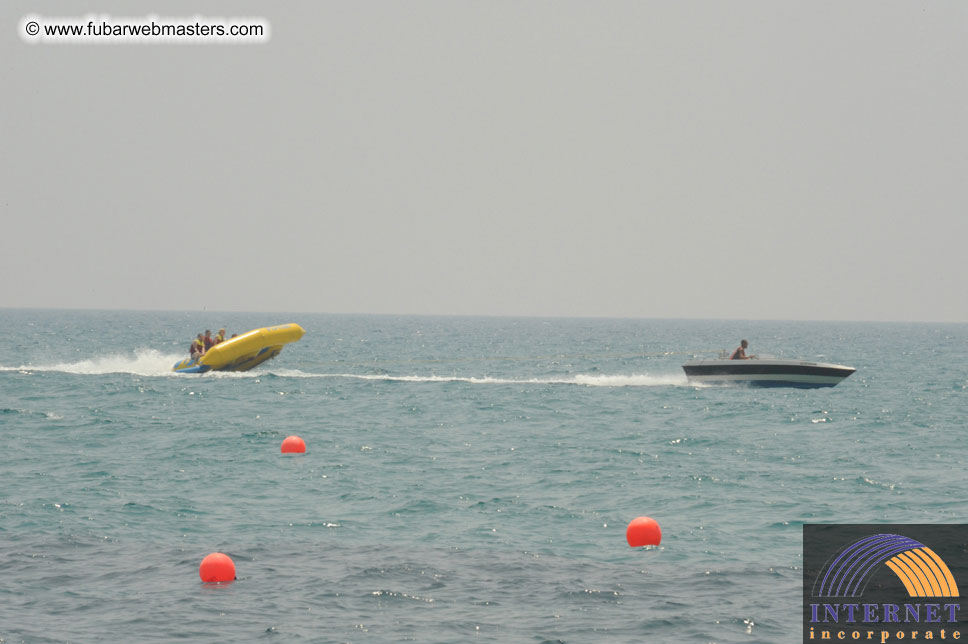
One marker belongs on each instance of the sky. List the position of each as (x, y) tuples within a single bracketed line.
[(747, 160)]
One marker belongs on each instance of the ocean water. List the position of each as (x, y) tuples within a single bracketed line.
[(466, 479)]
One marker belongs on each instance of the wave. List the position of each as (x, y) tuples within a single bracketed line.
[(27, 412)]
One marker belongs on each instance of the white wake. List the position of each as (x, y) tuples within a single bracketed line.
[(588, 380), (144, 362), (151, 362)]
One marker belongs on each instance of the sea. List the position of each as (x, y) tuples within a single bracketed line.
[(466, 479)]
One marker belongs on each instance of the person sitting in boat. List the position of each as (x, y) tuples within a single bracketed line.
[(740, 353), (220, 338), (197, 348), (209, 340)]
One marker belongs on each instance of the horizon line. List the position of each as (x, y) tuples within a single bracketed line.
[(478, 315)]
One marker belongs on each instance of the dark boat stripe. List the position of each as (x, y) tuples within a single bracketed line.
[(747, 369)]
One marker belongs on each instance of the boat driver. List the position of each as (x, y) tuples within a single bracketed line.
[(740, 353)]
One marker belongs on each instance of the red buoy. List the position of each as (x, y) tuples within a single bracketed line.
[(293, 445), (643, 531), (217, 567)]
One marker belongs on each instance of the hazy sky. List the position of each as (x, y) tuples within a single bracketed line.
[(791, 160)]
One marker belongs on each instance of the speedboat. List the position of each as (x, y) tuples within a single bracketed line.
[(766, 373), (243, 352)]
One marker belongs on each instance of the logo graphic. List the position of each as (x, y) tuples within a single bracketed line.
[(919, 568), (884, 583)]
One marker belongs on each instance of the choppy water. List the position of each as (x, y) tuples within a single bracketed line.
[(467, 479)]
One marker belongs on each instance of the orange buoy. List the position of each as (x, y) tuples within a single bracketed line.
[(293, 445), (217, 567), (643, 531)]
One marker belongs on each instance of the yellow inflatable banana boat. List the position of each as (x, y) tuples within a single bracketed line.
[(243, 352)]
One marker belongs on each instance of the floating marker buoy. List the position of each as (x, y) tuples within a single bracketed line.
[(294, 445), (217, 567), (643, 531)]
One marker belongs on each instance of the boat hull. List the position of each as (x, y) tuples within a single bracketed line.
[(243, 352), (766, 373)]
